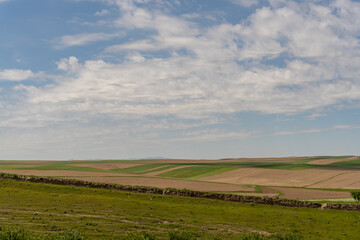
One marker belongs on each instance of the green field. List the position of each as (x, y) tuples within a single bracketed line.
[(104, 214), (197, 172), (191, 170)]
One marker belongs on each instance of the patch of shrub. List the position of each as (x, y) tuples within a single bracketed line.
[(66, 235), (181, 235), (14, 233), (140, 236), (258, 236), (253, 236), (356, 195), (288, 236)]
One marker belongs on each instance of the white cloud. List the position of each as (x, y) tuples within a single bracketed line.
[(83, 39), (68, 64), (316, 130), (245, 3), (221, 69), (178, 80), (215, 135), (16, 74), (102, 13)]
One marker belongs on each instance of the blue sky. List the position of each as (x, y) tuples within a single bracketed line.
[(88, 79)]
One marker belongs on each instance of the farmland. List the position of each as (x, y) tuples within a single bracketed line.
[(303, 178), (48, 209)]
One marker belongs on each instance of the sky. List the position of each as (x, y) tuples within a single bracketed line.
[(121, 79)]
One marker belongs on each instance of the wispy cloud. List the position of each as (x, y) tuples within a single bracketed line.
[(216, 135), (291, 58), (83, 39), (315, 130), (212, 76), (16, 74), (245, 3), (102, 13), (188, 78)]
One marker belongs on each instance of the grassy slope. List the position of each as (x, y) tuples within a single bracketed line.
[(104, 214), (346, 164)]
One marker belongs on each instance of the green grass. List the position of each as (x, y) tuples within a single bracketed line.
[(20, 233), (197, 172), (286, 166), (333, 200), (65, 166), (103, 214), (347, 164), (16, 163)]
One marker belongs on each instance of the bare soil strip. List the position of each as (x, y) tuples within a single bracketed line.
[(331, 160), (346, 180), (166, 183), (164, 171), (274, 177), (153, 169), (269, 190), (304, 194)]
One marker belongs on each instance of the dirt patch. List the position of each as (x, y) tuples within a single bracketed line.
[(331, 160), (106, 166), (167, 183), (268, 190), (273, 177), (164, 171), (345, 180), (304, 194)]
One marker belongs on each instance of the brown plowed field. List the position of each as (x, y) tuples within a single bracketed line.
[(167, 183), (345, 180), (273, 177), (331, 160), (305, 194), (231, 181)]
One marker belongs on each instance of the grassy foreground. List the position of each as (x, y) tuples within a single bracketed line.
[(46, 209)]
